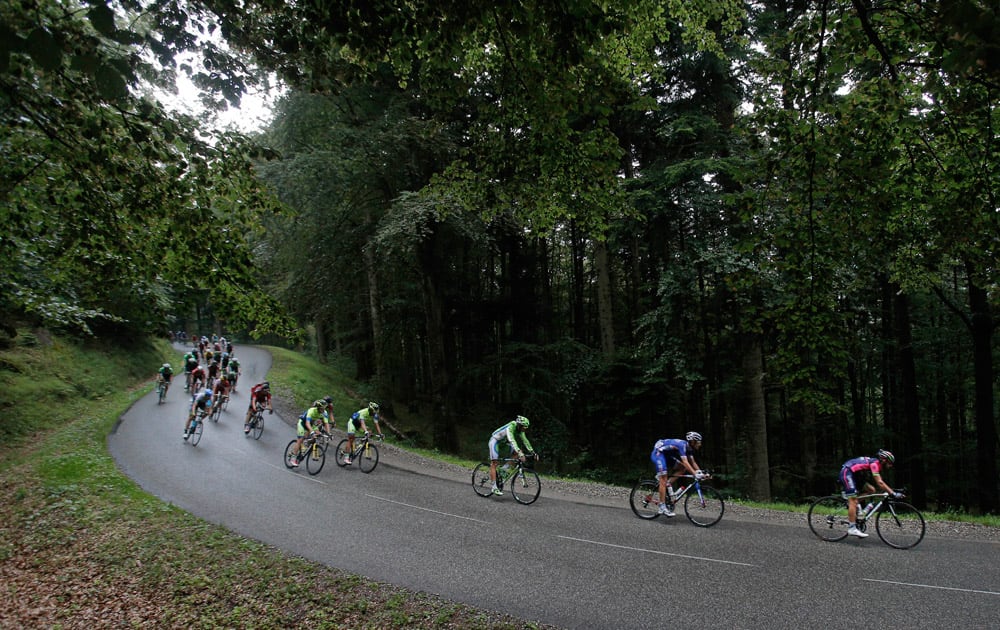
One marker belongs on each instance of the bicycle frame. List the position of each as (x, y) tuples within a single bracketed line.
[(898, 524), (360, 443)]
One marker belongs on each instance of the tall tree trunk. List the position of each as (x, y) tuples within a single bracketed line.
[(321, 347), (756, 419), (578, 281), (374, 312), (807, 450), (913, 434), (443, 428), (888, 362), (981, 324), (604, 309)]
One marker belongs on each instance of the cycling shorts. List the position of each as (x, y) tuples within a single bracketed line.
[(663, 462), (848, 482)]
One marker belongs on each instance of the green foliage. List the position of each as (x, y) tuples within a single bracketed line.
[(109, 200)]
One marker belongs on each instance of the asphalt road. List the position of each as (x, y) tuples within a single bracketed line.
[(567, 561)]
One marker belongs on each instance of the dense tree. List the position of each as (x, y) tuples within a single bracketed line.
[(109, 201)]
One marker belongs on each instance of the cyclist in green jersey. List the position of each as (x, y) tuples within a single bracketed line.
[(509, 432)]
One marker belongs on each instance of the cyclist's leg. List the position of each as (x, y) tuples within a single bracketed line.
[(849, 492), (662, 472), (494, 460), (351, 429)]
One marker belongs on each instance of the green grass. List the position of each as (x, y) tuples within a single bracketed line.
[(82, 546)]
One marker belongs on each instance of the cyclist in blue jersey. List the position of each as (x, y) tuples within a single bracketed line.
[(672, 458), (864, 471), (509, 432), (202, 400)]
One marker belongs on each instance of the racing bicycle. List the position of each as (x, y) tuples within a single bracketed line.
[(197, 426), (256, 423), (217, 407), (703, 504), (365, 453), (898, 524), (313, 451), (520, 477), (161, 390)]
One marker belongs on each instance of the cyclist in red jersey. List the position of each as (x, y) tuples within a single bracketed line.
[(864, 471), (259, 394), (198, 379)]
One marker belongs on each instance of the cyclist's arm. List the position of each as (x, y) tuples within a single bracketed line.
[(877, 477), (513, 440), (689, 463), (527, 443)]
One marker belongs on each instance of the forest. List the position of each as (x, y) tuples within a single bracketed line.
[(774, 222)]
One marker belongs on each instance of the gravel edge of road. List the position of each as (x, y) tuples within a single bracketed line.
[(617, 497)]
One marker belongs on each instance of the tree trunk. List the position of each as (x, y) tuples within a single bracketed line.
[(913, 453), (756, 421), (986, 431), (807, 450), (604, 308), (374, 299), (321, 342)]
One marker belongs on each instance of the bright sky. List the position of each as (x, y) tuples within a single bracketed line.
[(254, 112)]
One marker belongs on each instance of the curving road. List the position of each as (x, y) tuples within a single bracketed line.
[(577, 563)]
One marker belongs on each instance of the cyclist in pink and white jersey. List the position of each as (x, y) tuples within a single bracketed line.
[(863, 471)]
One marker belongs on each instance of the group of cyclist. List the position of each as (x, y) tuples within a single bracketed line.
[(210, 372), (319, 418), (672, 458), (675, 457)]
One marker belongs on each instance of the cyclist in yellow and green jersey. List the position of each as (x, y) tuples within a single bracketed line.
[(359, 420)]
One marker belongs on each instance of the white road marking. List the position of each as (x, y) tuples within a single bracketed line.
[(942, 588), (662, 553), (417, 507)]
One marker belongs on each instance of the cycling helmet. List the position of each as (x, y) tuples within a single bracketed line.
[(886, 456), (224, 378), (166, 365), (693, 436), (265, 385), (319, 404), (373, 406), (524, 422), (328, 400)]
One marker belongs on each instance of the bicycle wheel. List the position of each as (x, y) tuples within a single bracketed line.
[(256, 425), (290, 452), (341, 453), (368, 457), (900, 525), (525, 486), (828, 518), (481, 481), (216, 411), (645, 499), (161, 392), (196, 431), (704, 508), (315, 458)]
